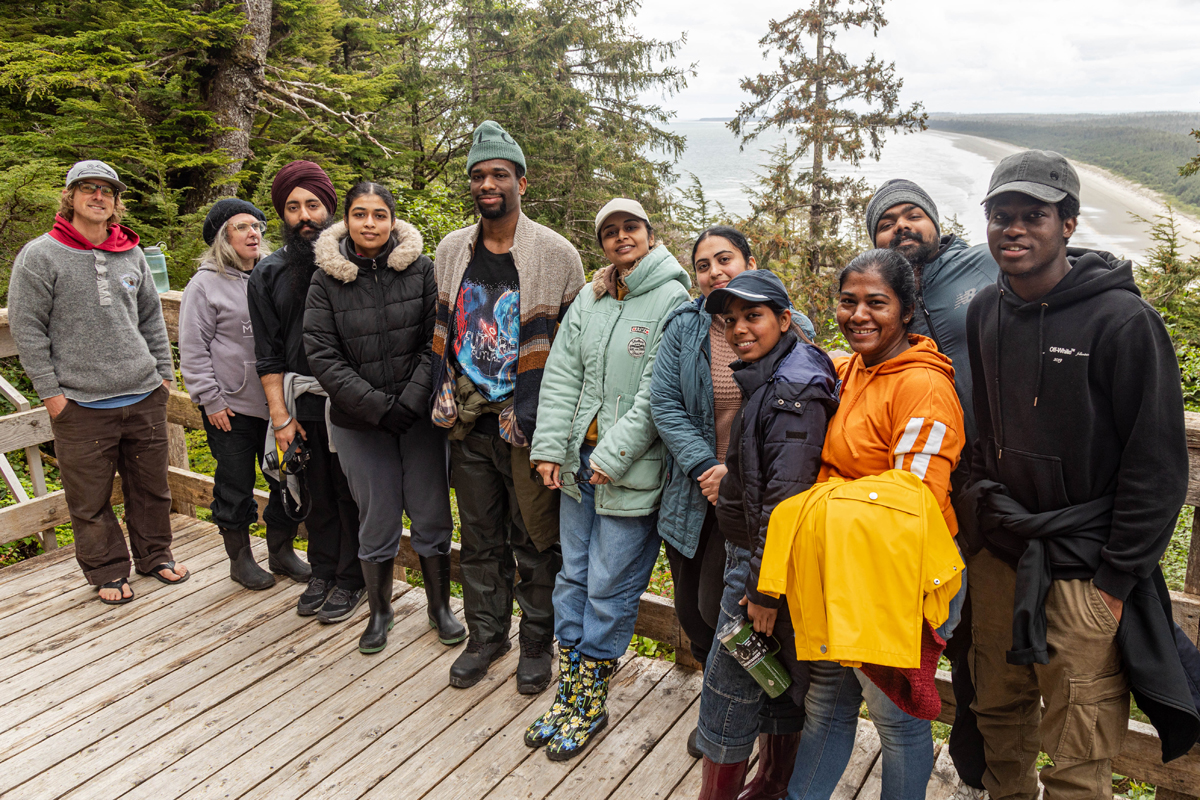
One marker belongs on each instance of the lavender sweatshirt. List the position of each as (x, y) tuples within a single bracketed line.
[(216, 344)]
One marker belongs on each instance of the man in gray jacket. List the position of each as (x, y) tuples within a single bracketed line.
[(89, 329)]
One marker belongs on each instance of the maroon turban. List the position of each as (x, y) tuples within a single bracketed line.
[(307, 175)]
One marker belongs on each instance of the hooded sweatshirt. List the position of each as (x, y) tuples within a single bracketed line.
[(216, 343), (1077, 396), (901, 414)]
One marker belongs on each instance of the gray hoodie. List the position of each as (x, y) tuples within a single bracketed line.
[(88, 323), (216, 343)]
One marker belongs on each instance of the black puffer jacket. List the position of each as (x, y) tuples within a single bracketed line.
[(368, 329)]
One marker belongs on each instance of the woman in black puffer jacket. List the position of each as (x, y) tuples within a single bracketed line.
[(368, 331)]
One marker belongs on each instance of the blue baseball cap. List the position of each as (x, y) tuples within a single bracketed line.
[(753, 286)]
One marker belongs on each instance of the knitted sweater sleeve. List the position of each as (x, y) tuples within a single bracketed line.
[(30, 298)]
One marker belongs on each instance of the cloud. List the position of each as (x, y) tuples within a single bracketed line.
[(1051, 56)]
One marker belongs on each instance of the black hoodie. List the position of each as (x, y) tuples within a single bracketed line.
[(1077, 396)]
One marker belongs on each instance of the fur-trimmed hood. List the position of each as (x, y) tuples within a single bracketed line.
[(407, 248)]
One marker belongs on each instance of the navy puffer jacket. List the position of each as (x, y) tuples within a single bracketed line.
[(775, 444)]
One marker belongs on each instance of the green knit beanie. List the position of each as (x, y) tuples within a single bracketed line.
[(491, 141)]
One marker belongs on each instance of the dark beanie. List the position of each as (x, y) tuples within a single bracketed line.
[(224, 210), (307, 175), (893, 193), (491, 141)]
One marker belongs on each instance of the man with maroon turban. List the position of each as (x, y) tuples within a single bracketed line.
[(304, 199)]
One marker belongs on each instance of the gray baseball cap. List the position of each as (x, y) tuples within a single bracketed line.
[(95, 169), (1042, 174)]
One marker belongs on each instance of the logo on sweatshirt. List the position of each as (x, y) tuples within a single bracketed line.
[(129, 281), (964, 298), (637, 347), (1066, 351), (247, 329), (639, 329)]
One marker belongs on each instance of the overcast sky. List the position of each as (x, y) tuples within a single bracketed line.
[(965, 55)]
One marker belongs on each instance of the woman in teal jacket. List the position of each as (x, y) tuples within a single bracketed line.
[(596, 441)]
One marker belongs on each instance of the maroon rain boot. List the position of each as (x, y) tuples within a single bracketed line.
[(776, 759), (722, 781)]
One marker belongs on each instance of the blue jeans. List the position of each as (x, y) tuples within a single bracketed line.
[(606, 566), (956, 607), (734, 709), (835, 694)]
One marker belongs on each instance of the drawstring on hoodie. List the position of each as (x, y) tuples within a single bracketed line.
[(999, 406), (1041, 353)]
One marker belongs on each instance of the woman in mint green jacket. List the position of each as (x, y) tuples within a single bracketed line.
[(596, 441)]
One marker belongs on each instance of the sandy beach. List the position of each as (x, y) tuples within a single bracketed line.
[(1107, 201)]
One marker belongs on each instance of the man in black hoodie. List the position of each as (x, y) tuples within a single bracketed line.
[(1082, 449)]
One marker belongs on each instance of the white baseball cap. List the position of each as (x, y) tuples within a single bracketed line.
[(620, 204), (94, 169)]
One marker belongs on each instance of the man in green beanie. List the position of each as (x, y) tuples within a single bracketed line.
[(504, 285)]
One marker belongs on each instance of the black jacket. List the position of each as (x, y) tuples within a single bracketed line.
[(1080, 391), (774, 444), (368, 329), (275, 295)]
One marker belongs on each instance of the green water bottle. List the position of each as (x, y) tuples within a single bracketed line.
[(158, 266), (756, 654)]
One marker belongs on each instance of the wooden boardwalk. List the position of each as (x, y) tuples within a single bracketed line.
[(206, 690)]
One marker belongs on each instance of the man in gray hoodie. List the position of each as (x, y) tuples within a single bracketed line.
[(89, 329)]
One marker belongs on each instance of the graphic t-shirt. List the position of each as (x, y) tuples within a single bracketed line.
[(487, 323)]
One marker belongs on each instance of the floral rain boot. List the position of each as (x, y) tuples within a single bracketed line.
[(544, 727), (589, 715)]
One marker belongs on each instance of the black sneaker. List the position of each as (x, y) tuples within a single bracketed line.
[(472, 664), (313, 596), (341, 604), (533, 670)]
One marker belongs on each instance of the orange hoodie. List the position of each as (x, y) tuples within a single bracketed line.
[(901, 414)]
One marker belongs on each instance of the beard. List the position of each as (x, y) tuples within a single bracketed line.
[(494, 213), (922, 254), (300, 252)]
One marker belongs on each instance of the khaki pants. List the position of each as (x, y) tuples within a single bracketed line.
[(92, 445), (1085, 689)]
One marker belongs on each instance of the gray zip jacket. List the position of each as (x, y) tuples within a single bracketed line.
[(216, 343), (88, 323)]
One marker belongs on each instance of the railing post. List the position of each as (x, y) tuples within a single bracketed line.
[(1191, 583)]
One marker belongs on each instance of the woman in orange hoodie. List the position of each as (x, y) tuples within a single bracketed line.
[(898, 410)]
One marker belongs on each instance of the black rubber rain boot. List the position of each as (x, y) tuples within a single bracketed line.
[(436, 572), (243, 568), (283, 560), (378, 576)]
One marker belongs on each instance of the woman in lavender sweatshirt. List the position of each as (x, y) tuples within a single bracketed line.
[(216, 349)]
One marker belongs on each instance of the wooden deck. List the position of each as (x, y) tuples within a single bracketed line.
[(208, 690)]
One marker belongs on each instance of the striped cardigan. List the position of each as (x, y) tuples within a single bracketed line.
[(550, 273)]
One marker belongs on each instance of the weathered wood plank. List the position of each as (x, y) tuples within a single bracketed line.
[(8, 347), (182, 411), (303, 752), (944, 783), (689, 787), (872, 787), (667, 764), (1141, 759), (604, 767), (410, 758), (174, 748), (170, 308), (862, 761), (537, 776), (59, 704), (196, 489), (25, 429), (86, 619)]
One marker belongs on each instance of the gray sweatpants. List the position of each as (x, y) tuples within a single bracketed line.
[(391, 475)]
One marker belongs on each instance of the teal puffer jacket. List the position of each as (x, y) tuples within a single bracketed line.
[(599, 368)]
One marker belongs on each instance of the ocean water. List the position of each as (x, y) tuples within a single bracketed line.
[(953, 168)]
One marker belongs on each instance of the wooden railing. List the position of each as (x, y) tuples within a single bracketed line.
[(1141, 755)]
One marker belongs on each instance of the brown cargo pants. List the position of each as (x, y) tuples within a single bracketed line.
[(92, 445), (1085, 689)]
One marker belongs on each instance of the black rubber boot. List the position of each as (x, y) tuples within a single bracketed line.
[(243, 568), (283, 560), (378, 576), (436, 572)]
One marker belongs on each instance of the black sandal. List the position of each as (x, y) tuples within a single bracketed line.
[(154, 573), (119, 585)]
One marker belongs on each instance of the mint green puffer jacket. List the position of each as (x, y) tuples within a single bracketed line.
[(599, 368)]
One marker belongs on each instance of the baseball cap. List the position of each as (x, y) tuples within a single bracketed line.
[(753, 286), (620, 204), (1041, 174), (95, 169)]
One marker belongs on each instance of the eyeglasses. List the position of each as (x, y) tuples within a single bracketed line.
[(242, 227), (584, 475), (92, 188)]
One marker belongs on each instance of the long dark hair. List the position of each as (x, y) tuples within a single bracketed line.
[(735, 237), (896, 272), (363, 188)]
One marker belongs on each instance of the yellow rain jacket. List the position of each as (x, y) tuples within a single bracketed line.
[(863, 564)]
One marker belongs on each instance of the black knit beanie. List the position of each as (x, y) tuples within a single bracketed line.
[(893, 193), (224, 210)]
